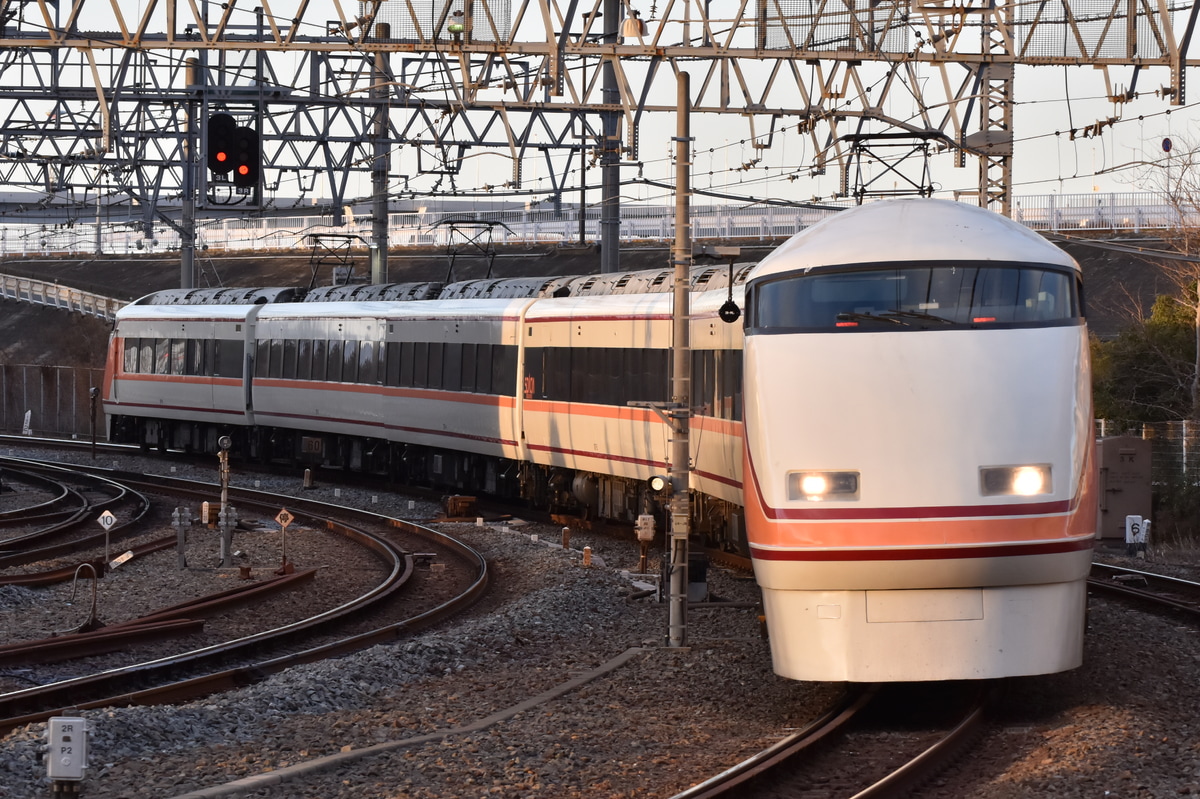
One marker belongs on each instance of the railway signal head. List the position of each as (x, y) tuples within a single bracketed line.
[(219, 143), (246, 158)]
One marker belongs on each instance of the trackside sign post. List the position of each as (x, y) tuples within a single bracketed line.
[(284, 518), (106, 520)]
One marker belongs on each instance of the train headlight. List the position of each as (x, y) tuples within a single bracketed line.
[(820, 486), (1019, 481)]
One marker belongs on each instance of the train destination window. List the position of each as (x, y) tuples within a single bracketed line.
[(929, 297)]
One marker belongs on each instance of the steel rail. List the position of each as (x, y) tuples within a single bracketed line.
[(1108, 586), (831, 722), (64, 573), (931, 761), (41, 702), (10, 518), (121, 494), (87, 642)]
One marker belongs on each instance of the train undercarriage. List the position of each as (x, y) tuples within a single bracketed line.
[(716, 523)]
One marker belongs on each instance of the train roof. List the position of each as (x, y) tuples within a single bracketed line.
[(911, 229), (372, 292), (704, 277), (220, 296), (215, 313), (449, 309)]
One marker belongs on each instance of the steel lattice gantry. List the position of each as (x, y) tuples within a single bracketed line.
[(105, 103)]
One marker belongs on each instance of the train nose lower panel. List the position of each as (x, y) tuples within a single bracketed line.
[(930, 634)]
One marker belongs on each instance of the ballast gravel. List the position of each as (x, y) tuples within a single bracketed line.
[(431, 717)]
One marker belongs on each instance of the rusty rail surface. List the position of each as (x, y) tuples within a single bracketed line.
[(767, 772), (181, 619), (134, 506), (1135, 585), (112, 687)]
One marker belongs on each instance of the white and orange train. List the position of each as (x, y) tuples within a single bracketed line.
[(899, 434)]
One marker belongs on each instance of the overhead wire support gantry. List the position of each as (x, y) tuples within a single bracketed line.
[(385, 101)]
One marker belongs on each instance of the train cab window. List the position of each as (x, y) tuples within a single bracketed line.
[(333, 361), (930, 297), (319, 357), (367, 366)]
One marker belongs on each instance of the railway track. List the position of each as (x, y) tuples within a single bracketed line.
[(858, 748), (63, 523), (1156, 591), (400, 546)]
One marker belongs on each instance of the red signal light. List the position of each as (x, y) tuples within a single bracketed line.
[(219, 142)]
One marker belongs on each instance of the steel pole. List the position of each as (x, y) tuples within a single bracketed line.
[(379, 165), (187, 219), (610, 150), (681, 378)]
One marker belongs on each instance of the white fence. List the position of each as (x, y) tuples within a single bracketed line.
[(56, 296), (1129, 211)]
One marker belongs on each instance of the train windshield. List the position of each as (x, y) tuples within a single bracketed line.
[(915, 297)]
